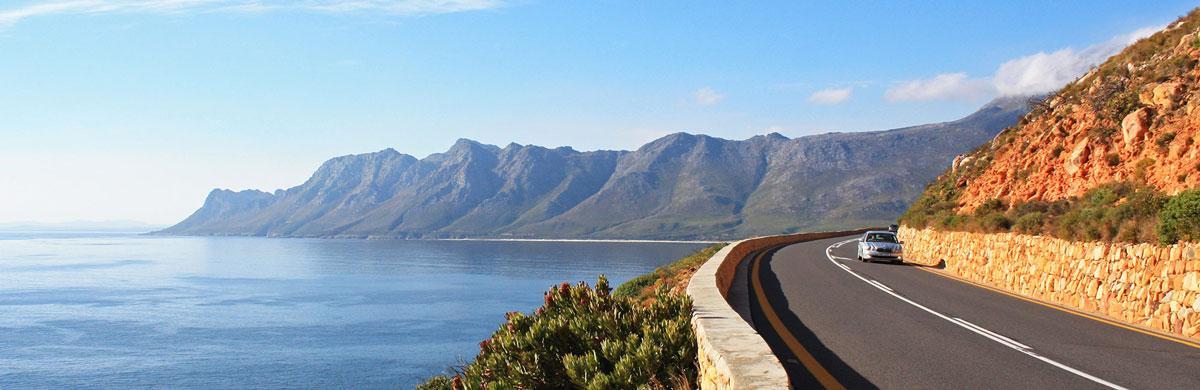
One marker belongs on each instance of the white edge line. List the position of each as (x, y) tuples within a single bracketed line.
[(1007, 339), (880, 285), (963, 324)]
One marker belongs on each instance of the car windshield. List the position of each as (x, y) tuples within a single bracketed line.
[(881, 237)]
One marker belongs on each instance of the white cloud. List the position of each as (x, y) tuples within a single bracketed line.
[(831, 95), (707, 96), (10, 16), (1029, 75), (1045, 72), (941, 87)]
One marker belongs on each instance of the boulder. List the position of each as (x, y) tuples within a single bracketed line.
[(1165, 94), (1079, 156), (1135, 125)]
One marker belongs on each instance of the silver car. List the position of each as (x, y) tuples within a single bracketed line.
[(880, 245)]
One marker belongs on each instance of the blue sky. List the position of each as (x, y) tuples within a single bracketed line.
[(135, 109)]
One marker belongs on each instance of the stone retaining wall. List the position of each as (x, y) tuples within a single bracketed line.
[(731, 354), (1144, 284)]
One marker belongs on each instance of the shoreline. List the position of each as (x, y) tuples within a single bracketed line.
[(493, 239)]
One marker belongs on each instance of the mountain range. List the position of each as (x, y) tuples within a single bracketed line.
[(681, 186)]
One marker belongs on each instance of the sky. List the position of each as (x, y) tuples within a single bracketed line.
[(136, 109)]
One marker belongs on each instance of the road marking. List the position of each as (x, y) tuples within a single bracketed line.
[(974, 328), (810, 363), (1068, 310), (877, 284), (997, 335)]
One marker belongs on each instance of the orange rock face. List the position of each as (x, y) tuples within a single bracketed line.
[(1136, 120)]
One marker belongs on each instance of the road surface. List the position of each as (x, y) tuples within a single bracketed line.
[(837, 322)]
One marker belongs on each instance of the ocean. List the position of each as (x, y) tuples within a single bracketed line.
[(103, 310)]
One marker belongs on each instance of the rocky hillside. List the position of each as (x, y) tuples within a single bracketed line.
[(681, 186), (1128, 127)]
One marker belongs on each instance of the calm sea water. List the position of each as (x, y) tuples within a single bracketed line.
[(120, 311)]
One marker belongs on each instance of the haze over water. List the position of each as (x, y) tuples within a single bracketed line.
[(116, 311)]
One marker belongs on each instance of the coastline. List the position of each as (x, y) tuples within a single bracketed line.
[(358, 237)]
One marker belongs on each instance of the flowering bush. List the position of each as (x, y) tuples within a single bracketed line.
[(584, 337)]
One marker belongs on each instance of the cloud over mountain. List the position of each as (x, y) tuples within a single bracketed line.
[(1033, 74), (1045, 72)]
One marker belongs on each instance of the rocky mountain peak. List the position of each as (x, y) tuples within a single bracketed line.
[(680, 186)]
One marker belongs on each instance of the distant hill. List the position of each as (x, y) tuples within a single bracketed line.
[(681, 186), (1096, 160)]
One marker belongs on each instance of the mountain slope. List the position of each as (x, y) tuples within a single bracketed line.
[(1109, 147), (681, 186)]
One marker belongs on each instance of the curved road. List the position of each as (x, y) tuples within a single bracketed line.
[(836, 322)]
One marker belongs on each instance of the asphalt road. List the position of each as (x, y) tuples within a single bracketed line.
[(900, 326)]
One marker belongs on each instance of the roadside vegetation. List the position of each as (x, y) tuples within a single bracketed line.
[(1116, 212), (639, 336), (672, 277)]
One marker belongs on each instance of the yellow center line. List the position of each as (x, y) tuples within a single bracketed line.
[(1066, 309), (810, 363)]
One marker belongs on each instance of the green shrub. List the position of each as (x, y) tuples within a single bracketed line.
[(1112, 159), (1121, 104), (994, 223), (1180, 218), (586, 338), (1030, 223), (990, 206), (1164, 140), (1120, 211), (1102, 132), (1139, 170), (1112, 212)]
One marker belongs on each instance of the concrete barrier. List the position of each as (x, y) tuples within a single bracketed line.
[(731, 354)]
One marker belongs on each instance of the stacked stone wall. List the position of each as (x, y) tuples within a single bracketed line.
[(1144, 284)]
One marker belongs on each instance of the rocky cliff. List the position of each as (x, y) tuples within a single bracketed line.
[(681, 186), (1134, 118)]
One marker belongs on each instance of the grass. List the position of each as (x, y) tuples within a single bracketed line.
[(674, 276)]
